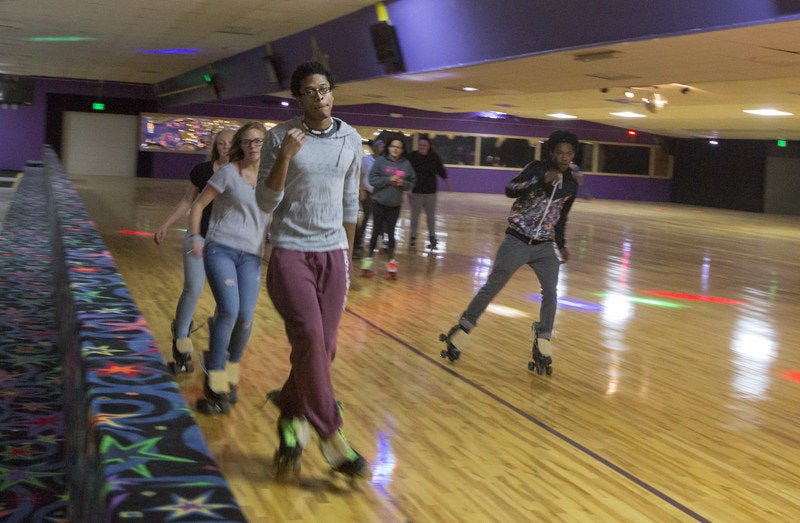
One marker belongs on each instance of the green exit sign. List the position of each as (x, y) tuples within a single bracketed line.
[(781, 143), (98, 106)]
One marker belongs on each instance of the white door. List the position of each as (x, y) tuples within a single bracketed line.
[(99, 143)]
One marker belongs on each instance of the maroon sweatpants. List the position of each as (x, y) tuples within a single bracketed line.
[(309, 290)]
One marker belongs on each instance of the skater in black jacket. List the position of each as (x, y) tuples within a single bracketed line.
[(544, 192)]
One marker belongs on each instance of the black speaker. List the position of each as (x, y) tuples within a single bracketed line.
[(387, 49), (217, 86)]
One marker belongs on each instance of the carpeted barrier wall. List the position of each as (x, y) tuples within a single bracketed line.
[(128, 448)]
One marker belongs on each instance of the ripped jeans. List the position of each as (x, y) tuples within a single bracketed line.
[(194, 278), (235, 280)]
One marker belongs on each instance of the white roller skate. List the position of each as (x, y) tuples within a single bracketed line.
[(391, 270), (366, 268), (342, 458), (182, 350)]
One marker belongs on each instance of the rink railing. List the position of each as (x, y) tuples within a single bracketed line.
[(134, 451)]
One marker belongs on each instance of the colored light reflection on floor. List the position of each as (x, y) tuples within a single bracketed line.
[(694, 297), (135, 233), (571, 303), (793, 375), (384, 463), (648, 301)]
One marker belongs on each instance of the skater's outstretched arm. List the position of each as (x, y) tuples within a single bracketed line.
[(524, 183), (184, 204)]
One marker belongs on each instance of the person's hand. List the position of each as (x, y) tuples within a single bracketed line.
[(293, 142), (160, 234), (564, 254), (197, 248), (552, 177), (395, 180)]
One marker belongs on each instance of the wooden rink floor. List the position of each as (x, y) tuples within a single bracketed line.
[(674, 395)]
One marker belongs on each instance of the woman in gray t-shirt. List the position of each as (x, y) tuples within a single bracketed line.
[(231, 252)]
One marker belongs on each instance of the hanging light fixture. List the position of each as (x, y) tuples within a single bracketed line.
[(655, 102)]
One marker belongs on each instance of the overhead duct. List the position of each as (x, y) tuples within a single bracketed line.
[(250, 73)]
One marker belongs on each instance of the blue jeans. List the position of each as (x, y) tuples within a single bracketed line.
[(235, 280), (194, 277)]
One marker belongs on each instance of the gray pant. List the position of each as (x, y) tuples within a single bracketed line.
[(513, 254), (418, 202)]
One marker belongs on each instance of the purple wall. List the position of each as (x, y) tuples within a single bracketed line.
[(476, 180), (458, 33), (22, 133), (479, 31), (23, 130)]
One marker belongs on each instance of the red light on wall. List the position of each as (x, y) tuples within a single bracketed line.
[(631, 132)]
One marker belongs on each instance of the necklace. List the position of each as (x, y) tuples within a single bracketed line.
[(316, 132)]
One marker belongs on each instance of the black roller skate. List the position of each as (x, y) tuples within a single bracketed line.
[(542, 363), (293, 434), (432, 244), (217, 400), (181, 353), (452, 352)]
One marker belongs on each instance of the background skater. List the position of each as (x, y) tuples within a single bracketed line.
[(544, 193), (427, 166)]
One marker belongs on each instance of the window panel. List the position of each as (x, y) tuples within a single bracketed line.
[(501, 151), (623, 159), (455, 150)]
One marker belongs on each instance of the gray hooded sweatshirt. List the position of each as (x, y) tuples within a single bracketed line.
[(321, 189)]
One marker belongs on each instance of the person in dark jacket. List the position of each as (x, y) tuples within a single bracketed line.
[(544, 192), (427, 165)]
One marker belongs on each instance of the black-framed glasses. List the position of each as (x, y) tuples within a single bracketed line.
[(255, 141), (320, 91)]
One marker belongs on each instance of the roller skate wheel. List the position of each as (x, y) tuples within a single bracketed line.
[(442, 336), (531, 365), (549, 370), (188, 367), (203, 406), (451, 353), (286, 469), (207, 407), (173, 367)]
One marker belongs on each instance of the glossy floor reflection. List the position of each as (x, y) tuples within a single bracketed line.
[(673, 397)]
